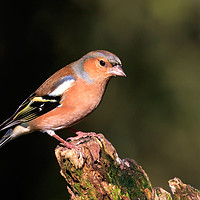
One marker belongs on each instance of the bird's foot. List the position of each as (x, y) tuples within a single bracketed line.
[(81, 134), (67, 144), (75, 147), (85, 134)]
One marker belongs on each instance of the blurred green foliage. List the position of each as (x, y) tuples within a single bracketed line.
[(152, 115)]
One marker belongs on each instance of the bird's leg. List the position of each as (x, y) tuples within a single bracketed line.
[(81, 133), (53, 134), (67, 144)]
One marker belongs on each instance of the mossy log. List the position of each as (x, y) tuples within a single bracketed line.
[(94, 171)]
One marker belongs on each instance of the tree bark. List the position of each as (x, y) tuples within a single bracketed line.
[(93, 170)]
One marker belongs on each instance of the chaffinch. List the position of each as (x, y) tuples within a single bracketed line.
[(65, 98)]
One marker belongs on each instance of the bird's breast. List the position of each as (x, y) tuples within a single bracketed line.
[(79, 101), (83, 99)]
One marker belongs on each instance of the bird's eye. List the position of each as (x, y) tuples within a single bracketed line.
[(102, 63)]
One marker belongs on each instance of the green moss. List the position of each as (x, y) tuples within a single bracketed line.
[(127, 184)]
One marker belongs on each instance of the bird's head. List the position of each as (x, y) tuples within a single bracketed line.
[(101, 64)]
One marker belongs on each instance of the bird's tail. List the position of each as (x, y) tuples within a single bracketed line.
[(6, 138)]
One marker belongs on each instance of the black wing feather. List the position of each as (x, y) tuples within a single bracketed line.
[(30, 109)]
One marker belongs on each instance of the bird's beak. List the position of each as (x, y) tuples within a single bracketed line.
[(117, 71)]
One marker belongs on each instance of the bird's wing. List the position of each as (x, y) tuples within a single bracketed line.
[(35, 106), (30, 109)]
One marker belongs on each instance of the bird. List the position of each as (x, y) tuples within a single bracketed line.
[(65, 98)]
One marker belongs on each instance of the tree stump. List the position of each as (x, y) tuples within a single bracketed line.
[(94, 171)]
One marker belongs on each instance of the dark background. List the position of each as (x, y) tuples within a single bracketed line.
[(152, 115)]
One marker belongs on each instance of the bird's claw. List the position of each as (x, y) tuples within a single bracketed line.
[(75, 147), (85, 134), (81, 134)]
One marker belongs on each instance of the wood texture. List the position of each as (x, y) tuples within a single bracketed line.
[(94, 171)]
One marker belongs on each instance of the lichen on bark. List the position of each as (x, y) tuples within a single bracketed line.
[(93, 170)]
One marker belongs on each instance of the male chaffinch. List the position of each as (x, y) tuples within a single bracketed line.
[(65, 98)]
